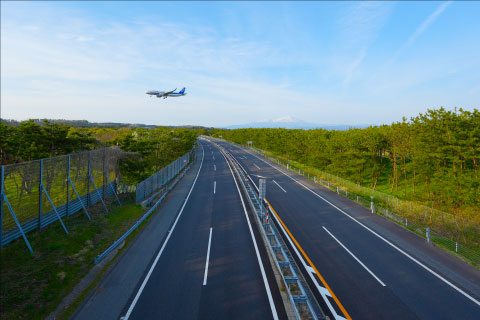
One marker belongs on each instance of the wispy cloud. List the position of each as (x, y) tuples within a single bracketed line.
[(362, 21), (359, 27), (354, 66), (421, 29)]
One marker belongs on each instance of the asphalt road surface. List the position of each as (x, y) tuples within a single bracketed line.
[(209, 268), (374, 268)]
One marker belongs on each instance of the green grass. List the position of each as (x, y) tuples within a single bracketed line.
[(32, 286), (25, 203), (470, 254)]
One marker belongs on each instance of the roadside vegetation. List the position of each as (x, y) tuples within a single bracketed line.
[(432, 159), (33, 285), (153, 148)]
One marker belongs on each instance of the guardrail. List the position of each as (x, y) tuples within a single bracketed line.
[(300, 296)]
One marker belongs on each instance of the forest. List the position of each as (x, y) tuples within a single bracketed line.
[(432, 158), (151, 148)]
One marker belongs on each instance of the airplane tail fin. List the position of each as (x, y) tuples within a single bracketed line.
[(182, 91)]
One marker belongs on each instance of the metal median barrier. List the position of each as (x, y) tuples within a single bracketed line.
[(301, 298), (446, 230), (37, 193)]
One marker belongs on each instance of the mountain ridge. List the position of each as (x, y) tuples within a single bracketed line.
[(289, 122)]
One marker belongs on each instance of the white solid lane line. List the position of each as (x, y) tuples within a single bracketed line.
[(358, 260), (208, 258), (214, 186), (214, 168), (466, 295), (279, 186), (323, 291), (257, 166), (262, 270), (144, 283)]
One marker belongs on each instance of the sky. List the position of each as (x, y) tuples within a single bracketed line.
[(323, 62)]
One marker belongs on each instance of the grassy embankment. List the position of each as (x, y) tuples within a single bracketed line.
[(33, 285)]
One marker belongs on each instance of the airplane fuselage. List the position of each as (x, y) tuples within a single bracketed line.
[(165, 94), (176, 94)]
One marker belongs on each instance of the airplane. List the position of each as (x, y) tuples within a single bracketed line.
[(164, 94)]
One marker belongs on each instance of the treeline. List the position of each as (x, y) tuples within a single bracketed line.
[(80, 123), (154, 148), (433, 157), (151, 149), (30, 140)]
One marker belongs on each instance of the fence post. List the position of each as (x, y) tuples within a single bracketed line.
[(103, 170), (371, 204), (40, 194), (428, 234), (2, 174), (88, 176), (68, 186)]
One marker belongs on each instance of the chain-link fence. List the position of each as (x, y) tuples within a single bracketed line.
[(37, 193), (452, 232), (160, 179)]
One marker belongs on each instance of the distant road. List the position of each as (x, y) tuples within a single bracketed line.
[(375, 268)]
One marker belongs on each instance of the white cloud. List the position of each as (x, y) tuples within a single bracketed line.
[(362, 21), (83, 38), (30, 28), (421, 29), (354, 66), (359, 27)]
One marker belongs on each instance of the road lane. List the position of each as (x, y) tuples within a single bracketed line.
[(234, 286), (410, 292)]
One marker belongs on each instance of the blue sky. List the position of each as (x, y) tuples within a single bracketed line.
[(323, 62)]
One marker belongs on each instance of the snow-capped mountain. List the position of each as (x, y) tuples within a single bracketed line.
[(289, 122)]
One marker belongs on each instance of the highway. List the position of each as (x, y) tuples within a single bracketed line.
[(366, 266), (208, 265)]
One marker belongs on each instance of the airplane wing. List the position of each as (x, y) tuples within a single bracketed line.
[(166, 93)]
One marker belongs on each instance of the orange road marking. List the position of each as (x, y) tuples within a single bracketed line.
[(345, 313)]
